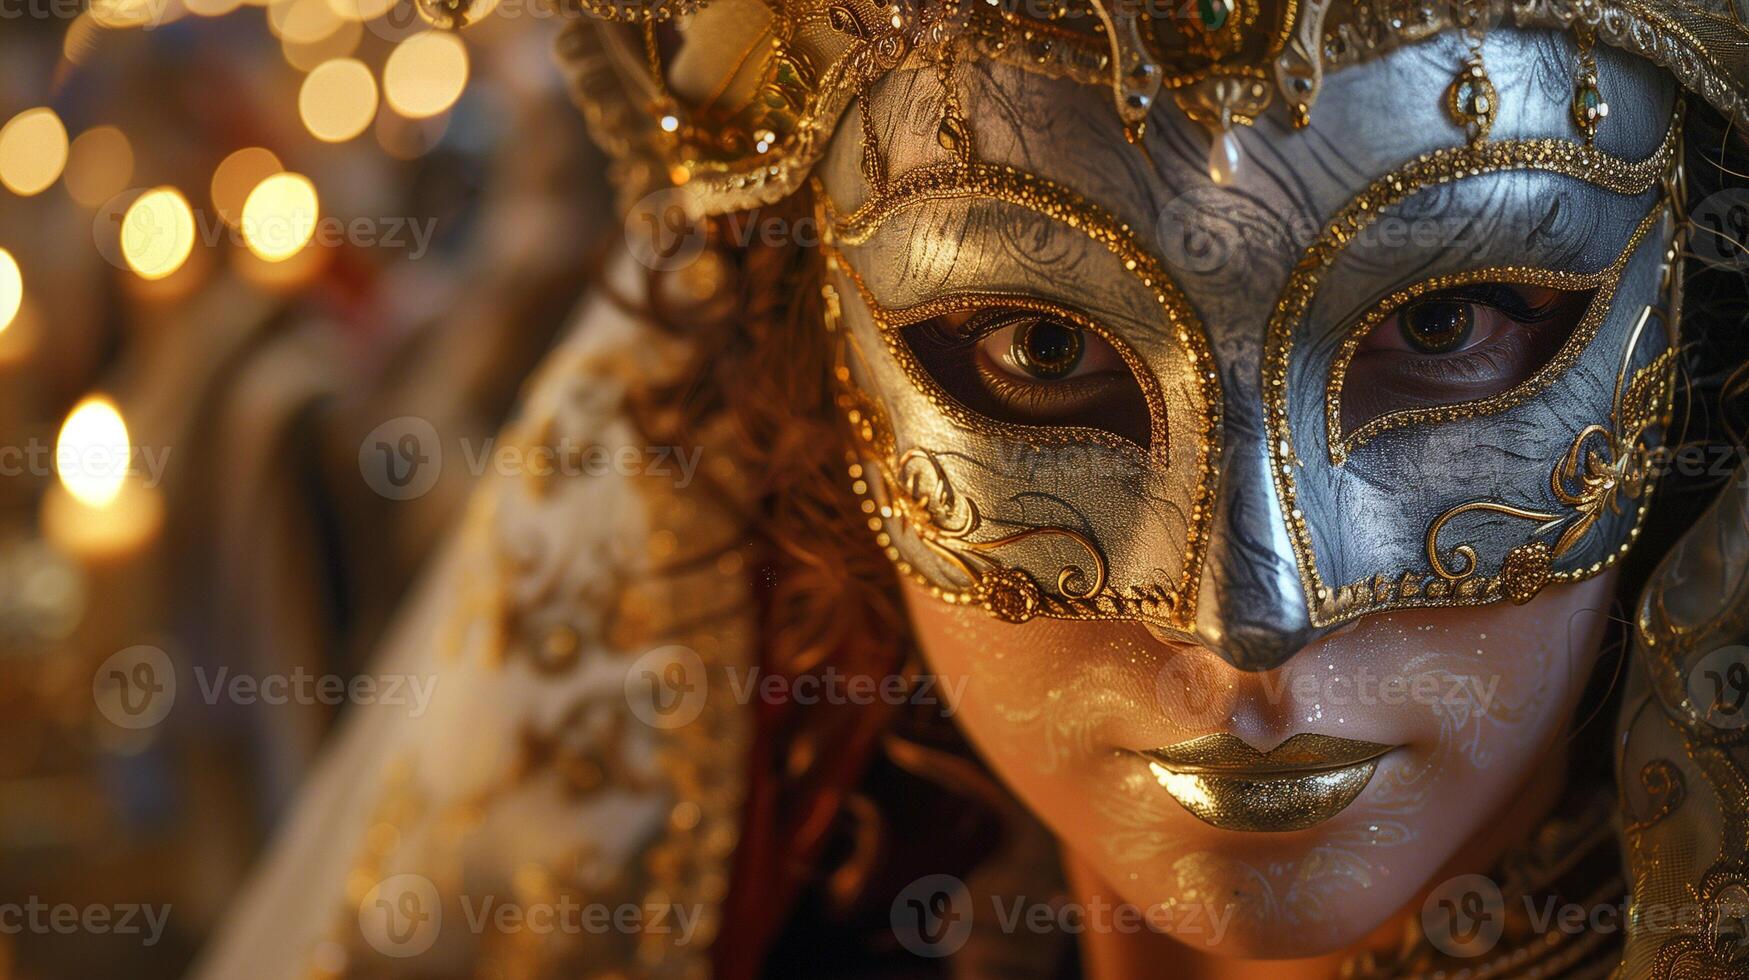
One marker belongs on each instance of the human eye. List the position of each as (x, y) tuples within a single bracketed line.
[(1457, 344), (1031, 367)]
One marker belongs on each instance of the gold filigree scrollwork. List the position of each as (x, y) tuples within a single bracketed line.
[(1171, 602), (1601, 467), (918, 496), (1334, 602), (923, 499), (1299, 69), (1665, 790), (1603, 283)]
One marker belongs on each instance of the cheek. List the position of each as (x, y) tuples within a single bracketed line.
[(1033, 697), (1047, 704), (1489, 690)]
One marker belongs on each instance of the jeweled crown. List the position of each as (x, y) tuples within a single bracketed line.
[(735, 100)]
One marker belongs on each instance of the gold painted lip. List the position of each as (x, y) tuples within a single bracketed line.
[(1223, 754), (1300, 783)]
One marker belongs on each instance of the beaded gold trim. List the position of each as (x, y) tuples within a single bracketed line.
[(1604, 281), (892, 322), (1174, 603), (1602, 465), (1329, 605), (913, 490)]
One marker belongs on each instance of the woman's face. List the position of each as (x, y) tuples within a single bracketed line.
[(1466, 705), (1271, 523)]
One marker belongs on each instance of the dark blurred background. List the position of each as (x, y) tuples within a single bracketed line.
[(235, 241)]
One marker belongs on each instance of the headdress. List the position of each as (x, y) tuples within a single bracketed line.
[(736, 99)]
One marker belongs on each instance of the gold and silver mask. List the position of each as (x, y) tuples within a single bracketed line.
[(1169, 320)]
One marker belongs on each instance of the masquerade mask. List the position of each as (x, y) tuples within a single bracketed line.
[(1063, 415), (1064, 408)]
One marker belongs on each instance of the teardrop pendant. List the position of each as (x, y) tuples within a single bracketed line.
[(1226, 155)]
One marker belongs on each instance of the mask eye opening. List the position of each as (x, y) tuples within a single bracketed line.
[(1036, 368)]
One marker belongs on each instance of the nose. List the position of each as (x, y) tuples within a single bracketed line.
[(1251, 606)]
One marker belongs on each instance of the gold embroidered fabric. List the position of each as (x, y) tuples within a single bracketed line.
[(582, 757)]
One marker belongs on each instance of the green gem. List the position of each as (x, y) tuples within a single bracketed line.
[(1590, 98), (1214, 13)]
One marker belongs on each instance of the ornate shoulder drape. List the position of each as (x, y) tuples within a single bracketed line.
[(579, 765)]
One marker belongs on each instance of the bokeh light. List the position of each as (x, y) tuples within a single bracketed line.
[(211, 8), (157, 233), (425, 74), (99, 165), (361, 10), (240, 173), (91, 452), (123, 14), (11, 289), (302, 21), (338, 100), (83, 37), (279, 218), (33, 149), (340, 44)]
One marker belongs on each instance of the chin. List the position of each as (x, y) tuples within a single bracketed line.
[(1295, 896)]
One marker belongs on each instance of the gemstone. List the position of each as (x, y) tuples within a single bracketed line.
[(1214, 13), (1466, 99), (1589, 109), (951, 134)]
